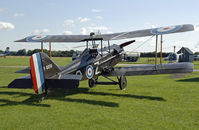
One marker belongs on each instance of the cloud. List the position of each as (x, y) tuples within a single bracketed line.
[(6, 26), (197, 45), (87, 30), (81, 20), (3, 10), (18, 15), (99, 17), (153, 26), (37, 31), (109, 32), (69, 23), (96, 10), (83, 31), (96, 28), (196, 28), (148, 24), (67, 33)]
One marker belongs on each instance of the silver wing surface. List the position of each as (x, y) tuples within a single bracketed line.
[(106, 37), (169, 68)]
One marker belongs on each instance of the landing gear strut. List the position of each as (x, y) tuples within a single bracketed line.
[(122, 82)]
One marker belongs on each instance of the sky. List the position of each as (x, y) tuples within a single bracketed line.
[(21, 18)]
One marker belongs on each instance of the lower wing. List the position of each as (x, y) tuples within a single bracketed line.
[(170, 68)]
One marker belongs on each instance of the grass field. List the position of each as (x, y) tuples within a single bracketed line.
[(149, 102)]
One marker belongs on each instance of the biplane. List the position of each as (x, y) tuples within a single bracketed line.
[(6, 52), (93, 62)]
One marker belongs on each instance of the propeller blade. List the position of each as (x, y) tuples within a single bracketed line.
[(126, 43)]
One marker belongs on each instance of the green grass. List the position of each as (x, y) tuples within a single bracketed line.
[(149, 102)]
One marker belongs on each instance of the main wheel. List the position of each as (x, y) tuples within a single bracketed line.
[(122, 82), (91, 83)]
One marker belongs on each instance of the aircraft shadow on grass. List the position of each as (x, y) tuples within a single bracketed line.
[(189, 80), (61, 94)]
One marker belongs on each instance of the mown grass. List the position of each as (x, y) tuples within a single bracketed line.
[(149, 102)]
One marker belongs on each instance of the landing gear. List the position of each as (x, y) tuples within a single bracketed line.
[(91, 83), (122, 82)]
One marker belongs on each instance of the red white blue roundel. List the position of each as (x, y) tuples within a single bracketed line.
[(36, 38), (89, 72), (165, 30)]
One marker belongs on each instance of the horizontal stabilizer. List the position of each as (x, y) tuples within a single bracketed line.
[(65, 81), (25, 70), (170, 68)]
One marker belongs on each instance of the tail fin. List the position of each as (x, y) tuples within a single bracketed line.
[(7, 51), (41, 68)]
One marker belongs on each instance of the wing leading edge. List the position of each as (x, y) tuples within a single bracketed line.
[(106, 37)]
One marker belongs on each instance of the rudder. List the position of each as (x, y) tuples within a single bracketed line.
[(41, 68)]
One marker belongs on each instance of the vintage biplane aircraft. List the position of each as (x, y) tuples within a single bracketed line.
[(5, 53), (93, 62)]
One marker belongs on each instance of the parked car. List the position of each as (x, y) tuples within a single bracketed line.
[(196, 57)]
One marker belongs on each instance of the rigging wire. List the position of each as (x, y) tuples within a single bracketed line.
[(144, 43)]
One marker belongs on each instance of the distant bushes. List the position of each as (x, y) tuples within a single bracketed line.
[(23, 52)]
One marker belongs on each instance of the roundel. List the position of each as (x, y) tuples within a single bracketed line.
[(89, 72), (165, 30), (36, 38)]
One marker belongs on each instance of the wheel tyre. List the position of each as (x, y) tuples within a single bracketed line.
[(91, 83), (122, 82)]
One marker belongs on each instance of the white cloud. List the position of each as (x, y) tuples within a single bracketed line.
[(83, 31), (96, 10), (96, 28), (153, 26), (148, 24), (18, 15), (87, 30), (196, 27), (6, 26), (67, 33), (109, 32), (37, 31), (81, 20), (3, 9), (69, 23), (45, 30), (99, 17), (197, 45)]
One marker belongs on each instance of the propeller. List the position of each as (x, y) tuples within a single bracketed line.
[(126, 43)]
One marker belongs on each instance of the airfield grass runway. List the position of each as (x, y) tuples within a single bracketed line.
[(149, 102)]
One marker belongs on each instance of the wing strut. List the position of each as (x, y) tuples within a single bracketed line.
[(156, 50), (42, 48), (156, 53), (50, 49), (161, 41)]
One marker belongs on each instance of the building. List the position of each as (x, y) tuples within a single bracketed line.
[(186, 55)]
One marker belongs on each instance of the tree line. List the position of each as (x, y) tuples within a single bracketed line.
[(69, 53), (23, 52)]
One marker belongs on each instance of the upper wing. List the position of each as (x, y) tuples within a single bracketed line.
[(106, 37), (169, 68)]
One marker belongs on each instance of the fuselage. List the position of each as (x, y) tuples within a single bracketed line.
[(94, 62)]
